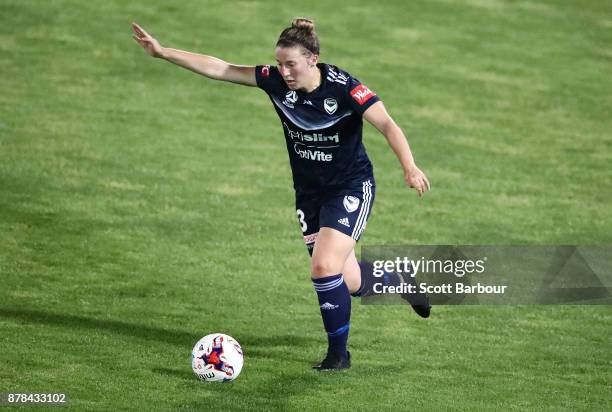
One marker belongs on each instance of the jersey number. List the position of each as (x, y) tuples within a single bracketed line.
[(300, 216)]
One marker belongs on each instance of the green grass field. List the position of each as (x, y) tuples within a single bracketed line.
[(143, 206)]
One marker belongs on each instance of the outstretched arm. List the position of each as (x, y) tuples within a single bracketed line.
[(208, 66), (379, 118)]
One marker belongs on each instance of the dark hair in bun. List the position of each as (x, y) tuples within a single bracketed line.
[(301, 33)]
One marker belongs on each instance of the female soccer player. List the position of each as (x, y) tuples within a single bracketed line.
[(321, 109)]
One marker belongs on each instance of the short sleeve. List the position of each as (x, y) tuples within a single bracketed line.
[(360, 96), (268, 78)]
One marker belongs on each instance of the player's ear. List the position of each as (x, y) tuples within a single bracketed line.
[(314, 59)]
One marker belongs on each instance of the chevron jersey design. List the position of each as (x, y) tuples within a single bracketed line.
[(323, 129)]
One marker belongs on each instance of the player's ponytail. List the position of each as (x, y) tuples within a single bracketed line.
[(301, 33)]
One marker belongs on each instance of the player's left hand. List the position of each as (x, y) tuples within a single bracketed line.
[(416, 179)]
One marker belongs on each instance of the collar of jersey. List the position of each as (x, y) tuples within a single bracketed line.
[(323, 69)]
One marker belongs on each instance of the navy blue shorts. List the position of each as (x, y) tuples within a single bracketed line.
[(346, 211)]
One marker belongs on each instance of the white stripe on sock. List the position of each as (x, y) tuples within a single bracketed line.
[(324, 287)]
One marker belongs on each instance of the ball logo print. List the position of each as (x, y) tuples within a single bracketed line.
[(217, 358), (351, 203), (290, 99), (291, 96), (330, 105)]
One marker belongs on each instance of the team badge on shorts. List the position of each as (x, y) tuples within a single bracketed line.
[(351, 203)]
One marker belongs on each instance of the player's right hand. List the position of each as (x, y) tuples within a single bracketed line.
[(148, 42)]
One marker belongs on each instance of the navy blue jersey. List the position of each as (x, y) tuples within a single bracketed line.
[(323, 128)]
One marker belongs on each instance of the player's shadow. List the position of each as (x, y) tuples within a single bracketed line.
[(291, 384), (170, 336), (255, 345), (258, 346)]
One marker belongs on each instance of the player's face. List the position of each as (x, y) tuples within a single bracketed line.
[(295, 66)]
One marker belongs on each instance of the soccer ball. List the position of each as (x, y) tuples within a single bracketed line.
[(217, 357)]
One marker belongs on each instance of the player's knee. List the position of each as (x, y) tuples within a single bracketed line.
[(322, 267)]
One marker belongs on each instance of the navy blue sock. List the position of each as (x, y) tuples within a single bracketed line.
[(335, 304), (368, 279)]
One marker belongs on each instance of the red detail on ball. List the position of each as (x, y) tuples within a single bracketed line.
[(214, 358)]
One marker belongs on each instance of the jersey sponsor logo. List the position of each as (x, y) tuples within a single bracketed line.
[(290, 99), (362, 94), (265, 71), (314, 137), (351, 203), (330, 105), (317, 155)]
